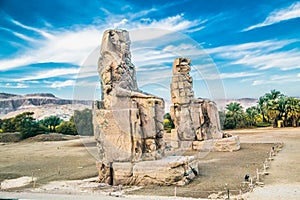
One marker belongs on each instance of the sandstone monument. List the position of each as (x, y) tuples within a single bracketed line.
[(195, 120), (128, 124)]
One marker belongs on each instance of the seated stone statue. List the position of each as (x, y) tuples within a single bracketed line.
[(128, 123), (194, 119)]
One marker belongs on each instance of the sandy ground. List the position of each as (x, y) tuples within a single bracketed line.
[(284, 179), (282, 183)]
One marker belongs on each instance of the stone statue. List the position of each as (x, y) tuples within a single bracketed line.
[(194, 119), (128, 122)]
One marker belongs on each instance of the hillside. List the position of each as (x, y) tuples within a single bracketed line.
[(42, 104)]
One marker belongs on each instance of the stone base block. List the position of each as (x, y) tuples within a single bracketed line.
[(174, 138), (186, 145), (221, 145), (170, 170)]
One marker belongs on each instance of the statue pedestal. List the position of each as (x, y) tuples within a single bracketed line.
[(170, 170), (219, 145)]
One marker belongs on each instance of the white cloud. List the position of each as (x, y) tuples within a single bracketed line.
[(267, 45), (118, 24), (73, 46), (237, 75), (283, 60), (14, 85), (146, 56), (298, 75), (61, 84), (40, 31), (155, 68), (172, 48), (277, 16), (261, 55), (174, 23), (51, 73), (66, 46), (277, 80), (23, 37), (222, 76), (19, 35)]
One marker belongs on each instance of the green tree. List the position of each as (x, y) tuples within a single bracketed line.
[(252, 115), (67, 128), (27, 125), (274, 98), (262, 108), (293, 110), (168, 122), (7, 125), (234, 115), (51, 122), (22, 120)]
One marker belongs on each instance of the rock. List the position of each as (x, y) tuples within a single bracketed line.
[(219, 145), (174, 138), (170, 170), (227, 144)]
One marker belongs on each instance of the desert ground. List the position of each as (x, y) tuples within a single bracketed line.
[(55, 167)]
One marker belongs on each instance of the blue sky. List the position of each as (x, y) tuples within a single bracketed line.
[(238, 48)]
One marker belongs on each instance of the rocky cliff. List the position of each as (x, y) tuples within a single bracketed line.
[(13, 102)]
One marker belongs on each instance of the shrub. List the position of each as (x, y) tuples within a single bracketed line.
[(67, 128), (263, 124)]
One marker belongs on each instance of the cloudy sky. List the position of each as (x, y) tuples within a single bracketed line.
[(238, 48)]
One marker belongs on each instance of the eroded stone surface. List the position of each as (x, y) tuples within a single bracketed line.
[(223, 144), (170, 170), (128, 122), (195, 120)]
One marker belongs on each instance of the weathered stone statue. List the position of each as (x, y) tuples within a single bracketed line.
[(130, 122), (194, 119)]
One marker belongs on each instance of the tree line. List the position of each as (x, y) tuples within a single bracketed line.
[(28, 126), (272, 109)]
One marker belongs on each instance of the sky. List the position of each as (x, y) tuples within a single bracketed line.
[(238, 48)]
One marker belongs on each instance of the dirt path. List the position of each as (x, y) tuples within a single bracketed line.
[(284, 179)]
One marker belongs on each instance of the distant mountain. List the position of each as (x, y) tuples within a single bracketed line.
[(47, 104), (12, 102), (245, 102)]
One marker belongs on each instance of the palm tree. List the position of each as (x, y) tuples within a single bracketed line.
[(262, 108), (293, 110), (252, 114), (51, 122), (273, 104), (274, 94), (235, 110)]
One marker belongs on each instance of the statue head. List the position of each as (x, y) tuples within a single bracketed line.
[(116, 41), (182, 66)]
